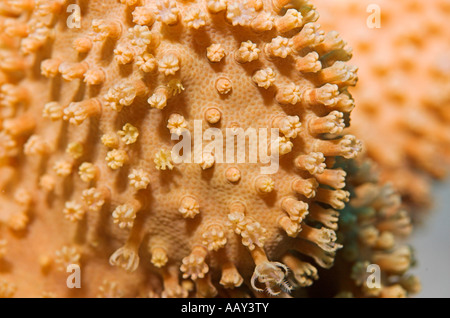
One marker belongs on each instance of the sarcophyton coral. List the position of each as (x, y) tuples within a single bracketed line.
[(87, 172), (403, 95), (375, 259)]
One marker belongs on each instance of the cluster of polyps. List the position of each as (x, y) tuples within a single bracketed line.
[(372, 227), (110, 103)]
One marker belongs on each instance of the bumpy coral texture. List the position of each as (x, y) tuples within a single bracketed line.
[(403, 94), (87, 175)]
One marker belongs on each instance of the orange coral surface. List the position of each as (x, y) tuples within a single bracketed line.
[(87, 175)]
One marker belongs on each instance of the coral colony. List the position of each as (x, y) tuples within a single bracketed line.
[(199, 148)]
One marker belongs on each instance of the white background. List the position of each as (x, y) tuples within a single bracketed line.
[(431, 242)]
